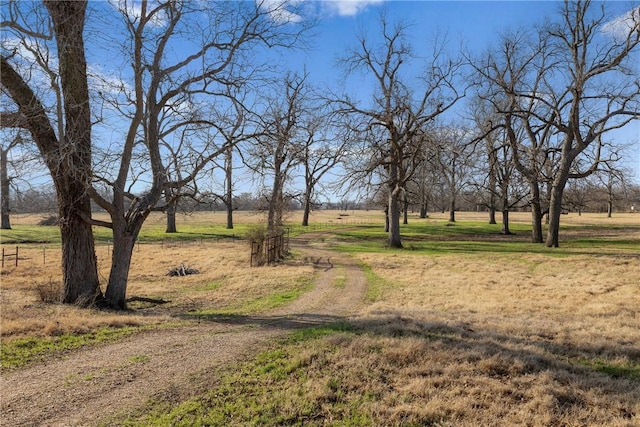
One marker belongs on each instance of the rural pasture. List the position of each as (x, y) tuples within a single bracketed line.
[(462, 327)]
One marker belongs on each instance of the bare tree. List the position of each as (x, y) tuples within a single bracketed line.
[(232, 124), (182, 56), (577, 194), (393, 124), (324, 146), (5, 181), (613, 175), (454, 157), (499, 179), (64, 137), (167, 85), (601, 93), (576, 84), (519, 67), (280, 141)]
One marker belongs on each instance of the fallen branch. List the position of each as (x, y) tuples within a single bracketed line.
[(181, 270)]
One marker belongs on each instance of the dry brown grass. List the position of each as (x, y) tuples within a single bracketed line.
[(529, 287), (225, 280), (503, 339), (454, 339)]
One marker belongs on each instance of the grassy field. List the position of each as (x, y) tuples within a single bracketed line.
[(462, 327)]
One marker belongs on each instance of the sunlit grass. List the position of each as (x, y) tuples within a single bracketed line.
[(440, 237), (275, 297), (22, 351), (616, 369), (30, 234), (402, 371), (463, 326)]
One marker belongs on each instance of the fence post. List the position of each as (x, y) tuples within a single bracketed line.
[(16, 256)]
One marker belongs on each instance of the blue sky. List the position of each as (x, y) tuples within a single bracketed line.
[(473, 24)]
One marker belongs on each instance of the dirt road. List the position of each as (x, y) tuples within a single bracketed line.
[(91, 385)]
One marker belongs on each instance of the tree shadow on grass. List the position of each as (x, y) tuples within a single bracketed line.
[(292, 321), (572, 379), (542, 351)]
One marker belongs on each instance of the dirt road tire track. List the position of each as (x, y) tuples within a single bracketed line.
[(91, 385)]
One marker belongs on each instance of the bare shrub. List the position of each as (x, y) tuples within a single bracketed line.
[(49, 292), (49, 220), (256, 237), (257, 233)]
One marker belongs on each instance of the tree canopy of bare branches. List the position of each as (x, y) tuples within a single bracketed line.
[(179, 57), (567, 86), (395, 123)]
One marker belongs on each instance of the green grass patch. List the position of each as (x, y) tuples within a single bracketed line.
[(376, 285), (444, 247), (22, 351), (139, 358), (472, 237), (276, 298), (273, 389), (434, 230), (22, 234), (629, 370), (604, 243), (340, 280), (216, 284), (150, 233)]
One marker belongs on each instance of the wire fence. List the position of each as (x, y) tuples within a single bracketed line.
[(32, 255), (274, 247), (9, 255)]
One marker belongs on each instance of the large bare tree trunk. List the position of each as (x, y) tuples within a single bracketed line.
[(274, 216), (555, 209), (78, 251), (171, 212), (505, 222), (123, 243), (405, 207), (492, 215), (505, 207), (171, 219), (452, 209), (610, 195), (79, 264), (394, 218), (386, 218), (493, 180), (536, 213), (68, 155), (307, 207), (4, 191), (228, 166), (424, 213)]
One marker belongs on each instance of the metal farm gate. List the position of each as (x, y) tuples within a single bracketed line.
[(272, 249)]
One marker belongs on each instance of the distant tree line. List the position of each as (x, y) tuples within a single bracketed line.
[(584, 196)]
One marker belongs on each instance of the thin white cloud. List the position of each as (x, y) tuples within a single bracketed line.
[(349, 7), (621, 26), (279, 10), (282, 11)]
